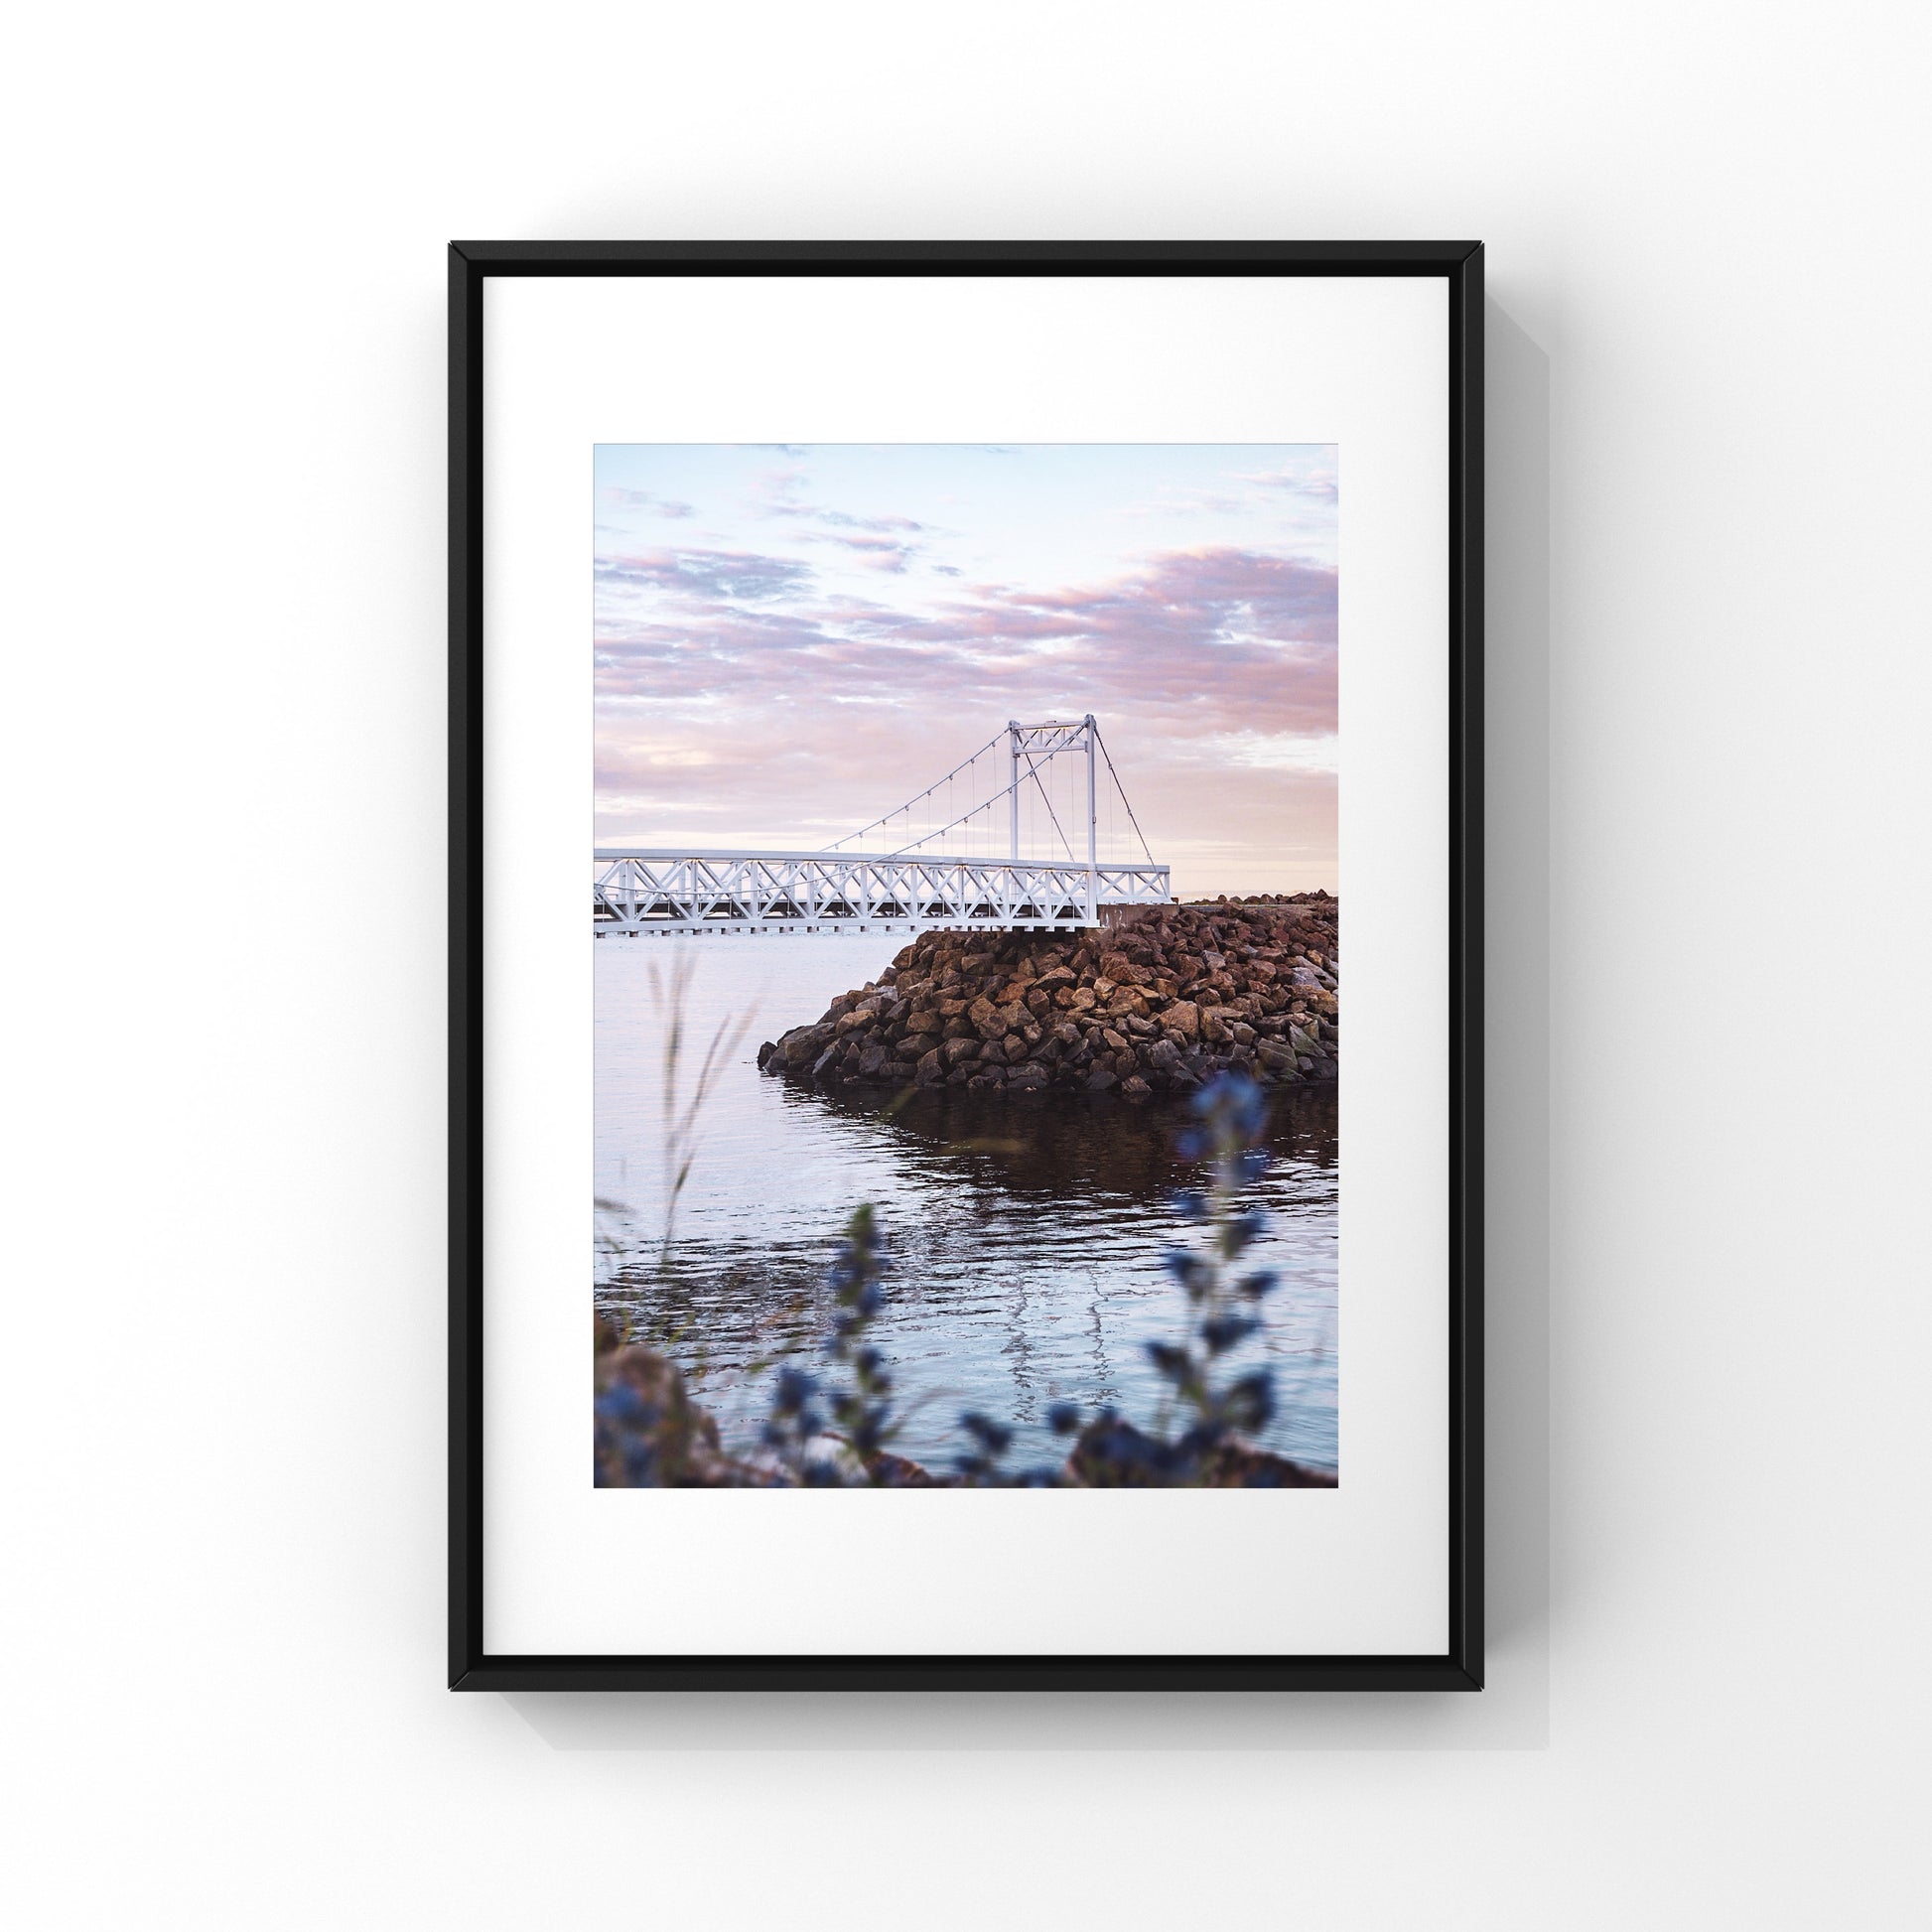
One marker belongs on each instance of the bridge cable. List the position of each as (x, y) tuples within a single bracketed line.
[(907, 806), (1033, 771), (1122, 789), (985, 806)]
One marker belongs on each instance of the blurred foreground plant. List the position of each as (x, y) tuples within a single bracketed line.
[(680, 1116), (862, 1408), (1217, 1405), (648, 1434), (679, 1113)]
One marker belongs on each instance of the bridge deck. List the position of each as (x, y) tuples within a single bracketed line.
[(637, 891)]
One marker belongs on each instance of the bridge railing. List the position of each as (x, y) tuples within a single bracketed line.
[(643, 891)]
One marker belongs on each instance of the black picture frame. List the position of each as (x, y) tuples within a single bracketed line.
[(1460, 1666)]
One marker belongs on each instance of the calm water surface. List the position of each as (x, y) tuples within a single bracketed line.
[(1026, 1235)]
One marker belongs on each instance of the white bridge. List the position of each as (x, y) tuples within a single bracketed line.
[(645, 889)]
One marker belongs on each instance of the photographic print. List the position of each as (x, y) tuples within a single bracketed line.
[(966, 945)]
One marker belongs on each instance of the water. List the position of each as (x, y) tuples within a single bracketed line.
[(1025, 1233)]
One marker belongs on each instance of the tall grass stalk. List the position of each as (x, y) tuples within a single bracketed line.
[(679, 1113)]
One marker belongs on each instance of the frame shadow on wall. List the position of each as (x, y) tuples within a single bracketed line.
[(1513, 1711)]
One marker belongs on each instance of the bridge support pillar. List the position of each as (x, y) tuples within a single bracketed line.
[(1013, 789), (1093, 832)]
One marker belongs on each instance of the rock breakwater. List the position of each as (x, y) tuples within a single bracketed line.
[(1158, 1002)]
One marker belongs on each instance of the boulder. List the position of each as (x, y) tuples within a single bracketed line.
[(1109, 1453), (804, 1046)]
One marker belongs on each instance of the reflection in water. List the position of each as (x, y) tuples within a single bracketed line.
[(1026, 1231)]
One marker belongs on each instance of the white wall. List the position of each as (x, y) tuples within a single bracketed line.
[(224, 610)]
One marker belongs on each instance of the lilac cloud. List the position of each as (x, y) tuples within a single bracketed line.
[(1214, 640), (723, 574), (643, 500), (1318, 484)]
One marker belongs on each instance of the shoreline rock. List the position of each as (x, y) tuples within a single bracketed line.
[(1155, 1003)]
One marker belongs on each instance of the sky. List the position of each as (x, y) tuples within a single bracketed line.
[(790, 641)]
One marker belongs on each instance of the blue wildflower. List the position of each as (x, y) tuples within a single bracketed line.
[(1193, 1273), (794, 1390), (1175, 1363), (1249, 1404), (991, 1435), (1223, 1331), (1241, 1230)]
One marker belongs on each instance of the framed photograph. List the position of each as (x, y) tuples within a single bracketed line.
[(927, 720)]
